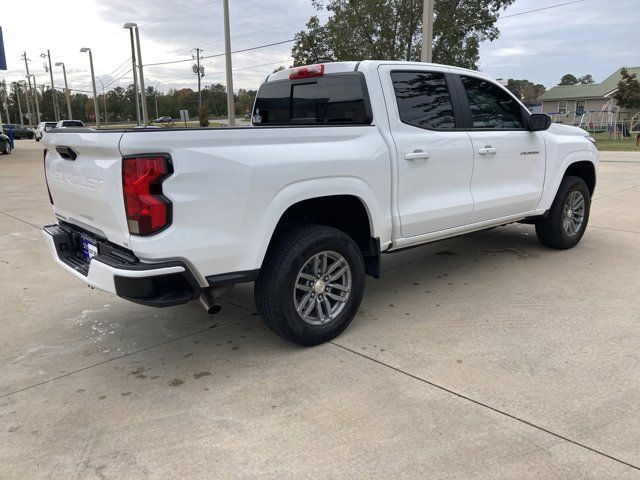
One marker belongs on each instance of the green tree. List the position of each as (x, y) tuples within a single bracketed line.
[(392, 30), (568, 79), (525, 90), (628, 94), (586, 79)]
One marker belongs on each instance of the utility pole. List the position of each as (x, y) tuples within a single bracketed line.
[(66, 89), (227, 56), (26, 97), (426, 55), (27, 91), (16, 88), (198, 71), (130, 26), (104, 102), (155, 98), (56, 112), (143, 95)]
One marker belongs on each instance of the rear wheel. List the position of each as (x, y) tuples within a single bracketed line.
[(568, 217), (311, 284), (6, 148)]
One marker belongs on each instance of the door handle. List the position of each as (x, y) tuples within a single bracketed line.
[(417, 155), (488, 150)]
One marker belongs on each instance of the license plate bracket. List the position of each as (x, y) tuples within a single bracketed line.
[(89, 248)]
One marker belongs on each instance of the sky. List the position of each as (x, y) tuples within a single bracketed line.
[(592, 36)]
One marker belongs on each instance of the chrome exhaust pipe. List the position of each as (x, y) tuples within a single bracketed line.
[(210, 302)]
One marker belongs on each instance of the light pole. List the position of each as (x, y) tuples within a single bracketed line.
[(93, 83), (104, 102), (16, 89), (26, 97), (54, 99), (130, 27), (227, 55), (426, 55), (66, 89), (143, 94), (35, 97)]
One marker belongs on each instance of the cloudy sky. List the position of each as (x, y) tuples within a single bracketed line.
[(593, 36)]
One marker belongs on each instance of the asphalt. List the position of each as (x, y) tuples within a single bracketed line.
[(487, 356)]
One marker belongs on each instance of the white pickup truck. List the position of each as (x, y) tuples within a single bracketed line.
[(344, 161)]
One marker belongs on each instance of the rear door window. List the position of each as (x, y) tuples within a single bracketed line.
[(423, 100), (338, 99)]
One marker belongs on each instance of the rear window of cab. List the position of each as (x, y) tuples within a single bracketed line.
[(335, 99)]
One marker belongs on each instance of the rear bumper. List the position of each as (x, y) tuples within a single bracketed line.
[(118, 271)]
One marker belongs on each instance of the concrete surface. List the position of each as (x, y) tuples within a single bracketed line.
[(486, 356)]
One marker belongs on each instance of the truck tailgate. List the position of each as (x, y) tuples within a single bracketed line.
[(87, 189)]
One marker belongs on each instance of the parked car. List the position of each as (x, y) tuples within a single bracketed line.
[(5, 144), (19, 130), (42, 128), (70, 124), (367, 158), (165, 119)]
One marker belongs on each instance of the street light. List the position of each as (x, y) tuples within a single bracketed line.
[(66, 89), (54, 98), (93, 83), (143, 98), (35, 96), (130, 27)]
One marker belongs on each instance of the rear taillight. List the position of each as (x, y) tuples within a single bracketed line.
[(44, 162), (306, 72), (148, 210)]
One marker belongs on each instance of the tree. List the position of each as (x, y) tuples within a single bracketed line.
[(525, 90), (586, 79), (392, 30), (568, 79), (628, 94)]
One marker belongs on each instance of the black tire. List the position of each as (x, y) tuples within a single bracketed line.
[(550, 230), (6, 148), (274, 288)]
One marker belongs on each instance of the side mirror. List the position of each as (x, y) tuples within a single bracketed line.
[(539, 122)]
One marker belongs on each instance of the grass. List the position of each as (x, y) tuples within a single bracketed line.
[(622, 145)]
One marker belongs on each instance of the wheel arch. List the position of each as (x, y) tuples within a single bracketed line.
[(346, 210), (584, 169)]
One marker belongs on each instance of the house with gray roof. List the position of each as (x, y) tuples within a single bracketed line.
[(577, 104)]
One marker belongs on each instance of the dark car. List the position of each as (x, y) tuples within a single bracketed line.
[(5, 144), (19, 131), (165, 119)]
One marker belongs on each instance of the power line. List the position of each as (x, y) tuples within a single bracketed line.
[(222, 54), (178, 14)]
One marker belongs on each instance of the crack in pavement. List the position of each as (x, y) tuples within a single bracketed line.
[(21, 220), (614, 229), (124, 355), (485, 405)]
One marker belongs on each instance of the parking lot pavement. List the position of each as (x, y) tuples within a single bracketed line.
[(486, 356)]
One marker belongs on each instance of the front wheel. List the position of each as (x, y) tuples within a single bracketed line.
[(568, 217), (311, 284), (6, 148)]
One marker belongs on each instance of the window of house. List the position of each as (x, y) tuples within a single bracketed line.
[(423, 99), (580, 106), (491, 106), (562, 106)]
